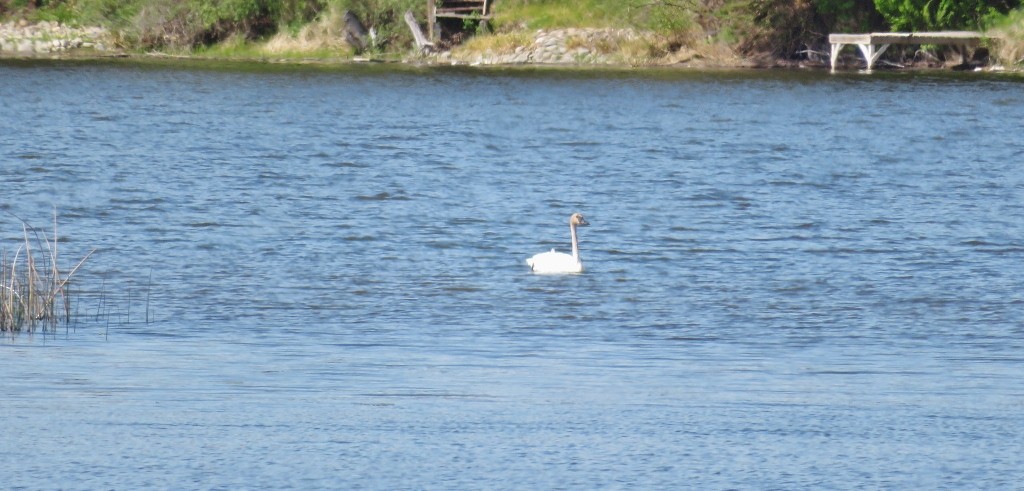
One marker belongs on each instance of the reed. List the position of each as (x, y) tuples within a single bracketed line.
[(34, 292)]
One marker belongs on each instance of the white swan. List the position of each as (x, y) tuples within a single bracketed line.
[(560, 262)]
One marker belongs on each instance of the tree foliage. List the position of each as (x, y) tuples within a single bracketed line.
[(788, 27), (933, 15)]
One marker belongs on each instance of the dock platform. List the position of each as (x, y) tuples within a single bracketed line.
[(872, 45)]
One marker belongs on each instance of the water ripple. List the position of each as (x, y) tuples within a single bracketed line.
[(341, 279)]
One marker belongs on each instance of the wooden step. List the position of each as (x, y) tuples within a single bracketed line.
[(463, 16), (460, 6), (459, 9)]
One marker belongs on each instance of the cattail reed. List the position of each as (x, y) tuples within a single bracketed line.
[(34, 293)]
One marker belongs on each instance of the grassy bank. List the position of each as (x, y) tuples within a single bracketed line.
[(717, 31)]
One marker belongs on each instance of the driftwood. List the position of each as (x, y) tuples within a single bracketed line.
[(422, 43)]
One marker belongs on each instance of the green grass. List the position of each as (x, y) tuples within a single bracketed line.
[(232, 47), (549, 14), (554, 14), (257, 51)]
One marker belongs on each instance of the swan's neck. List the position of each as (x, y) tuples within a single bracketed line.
[(575, 242)]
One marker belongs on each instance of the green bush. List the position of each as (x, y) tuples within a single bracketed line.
[(115, 14), (160, 24), (932, 15)]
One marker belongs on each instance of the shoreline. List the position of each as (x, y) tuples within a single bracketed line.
[(412, 64), (570, 48)]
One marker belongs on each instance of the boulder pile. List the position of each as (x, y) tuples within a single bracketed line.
[(24, 38), (573, 46)]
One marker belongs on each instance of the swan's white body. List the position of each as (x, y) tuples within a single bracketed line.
[(553, 262)]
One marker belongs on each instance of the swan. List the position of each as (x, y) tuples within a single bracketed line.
[(560, 262)]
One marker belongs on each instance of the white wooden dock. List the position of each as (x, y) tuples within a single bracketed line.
[(872, 45)]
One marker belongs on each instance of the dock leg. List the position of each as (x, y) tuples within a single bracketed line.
[(432, 31), (870, 55), (867, 50), (836, 48)]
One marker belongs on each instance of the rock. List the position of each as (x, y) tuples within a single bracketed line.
[(46, 37), (553, 47)]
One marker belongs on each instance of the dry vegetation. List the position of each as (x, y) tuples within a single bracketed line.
[(34, 292), (1009, 46), (320, 34), (503, 43)]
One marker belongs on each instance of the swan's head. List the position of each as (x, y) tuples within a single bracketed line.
[(577, 219)]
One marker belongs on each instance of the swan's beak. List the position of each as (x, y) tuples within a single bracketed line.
[(583, 222)]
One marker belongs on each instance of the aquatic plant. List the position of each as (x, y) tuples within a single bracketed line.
[(34, 292)]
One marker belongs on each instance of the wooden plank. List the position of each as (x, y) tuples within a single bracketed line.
[(432, 31), (849, 38), (940, 37), (947, 37), (459, 9), (464, 16), (461, 6)]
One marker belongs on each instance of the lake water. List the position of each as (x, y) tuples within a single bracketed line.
[(311, 277)]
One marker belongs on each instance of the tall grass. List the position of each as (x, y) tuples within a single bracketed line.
[(34, 292), (1008, 37)]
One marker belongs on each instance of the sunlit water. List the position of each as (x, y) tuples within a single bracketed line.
[(794, 280)]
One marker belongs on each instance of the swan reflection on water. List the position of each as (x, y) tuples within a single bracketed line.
[(553, 262)]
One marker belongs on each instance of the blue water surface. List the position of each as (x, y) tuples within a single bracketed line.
[(314, 277)]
